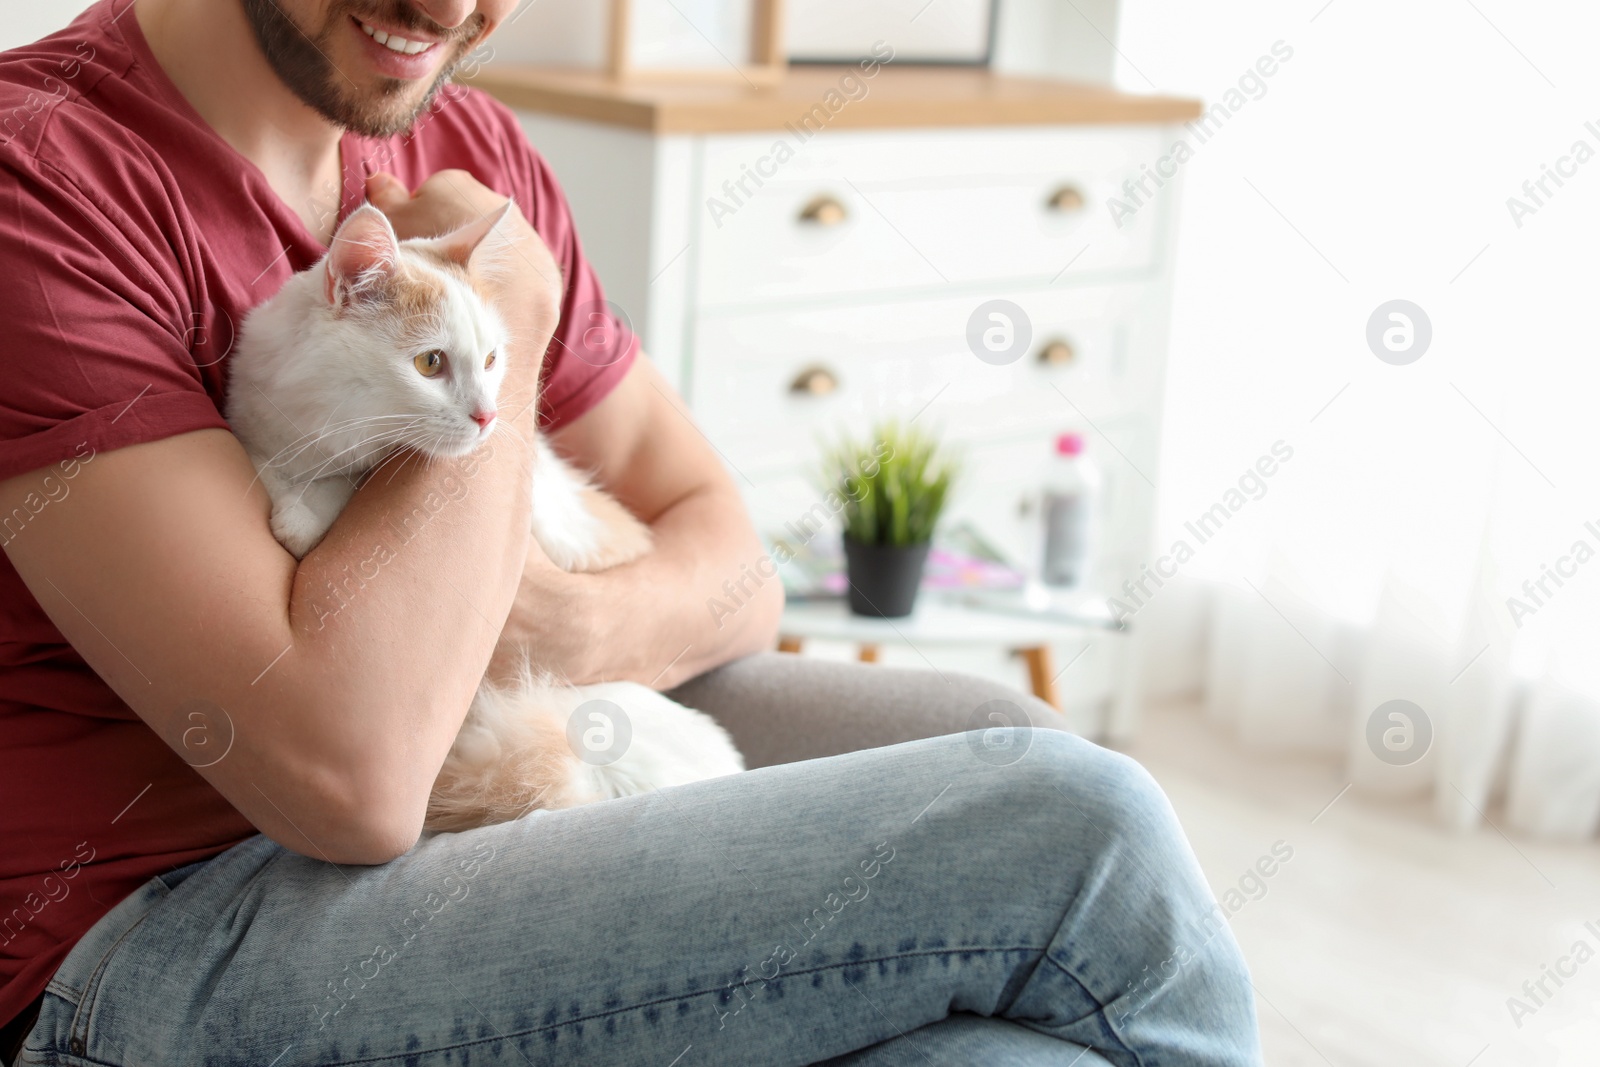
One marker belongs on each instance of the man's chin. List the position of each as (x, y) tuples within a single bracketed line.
[(391, 107), (340, 76)]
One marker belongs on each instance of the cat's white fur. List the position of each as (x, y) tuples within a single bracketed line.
[(323, 386)]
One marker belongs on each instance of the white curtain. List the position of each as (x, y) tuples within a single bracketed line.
[(1497, 724), (1429, 541)]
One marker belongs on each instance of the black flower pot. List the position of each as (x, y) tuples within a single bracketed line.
[(883, 578)]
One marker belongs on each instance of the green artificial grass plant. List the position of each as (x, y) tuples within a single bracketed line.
[(893, 486)]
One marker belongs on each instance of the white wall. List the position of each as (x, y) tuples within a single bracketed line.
[(22, 21), (1378, 164), (1058, 39), (1048, 37)]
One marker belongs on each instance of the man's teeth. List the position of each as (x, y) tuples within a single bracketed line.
[(396, 44)]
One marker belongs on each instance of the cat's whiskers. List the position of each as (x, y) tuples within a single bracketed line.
[(428, 450), (393, 433), (280, 460), (512, 397), (331, 413), (392, 457), (420, 450), (296, 448), (513, 431), (316, 475), (330, 428), (365, 446)]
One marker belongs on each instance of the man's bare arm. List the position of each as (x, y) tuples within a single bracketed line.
[(345, 676), (650, 621)]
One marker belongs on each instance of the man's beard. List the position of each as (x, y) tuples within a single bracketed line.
[(300, 60)]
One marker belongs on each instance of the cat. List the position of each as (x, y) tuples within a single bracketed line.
[(386, 344)]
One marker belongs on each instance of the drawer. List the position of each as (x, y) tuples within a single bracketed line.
[(908, 209), (751, 371)]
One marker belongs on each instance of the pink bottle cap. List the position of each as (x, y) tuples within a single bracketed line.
[(1069, 444)]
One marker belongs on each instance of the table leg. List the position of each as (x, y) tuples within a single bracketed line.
[(790, 644), (867, 653), (1041, 674)]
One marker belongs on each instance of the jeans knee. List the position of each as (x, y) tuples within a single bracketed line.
[(1111, 791)]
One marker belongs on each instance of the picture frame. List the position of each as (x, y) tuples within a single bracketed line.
[(765, 65), (940, 33)]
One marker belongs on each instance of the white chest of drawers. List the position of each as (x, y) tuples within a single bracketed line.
[(795, 283)]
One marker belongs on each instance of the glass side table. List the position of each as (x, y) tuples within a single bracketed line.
[(1022, 623)]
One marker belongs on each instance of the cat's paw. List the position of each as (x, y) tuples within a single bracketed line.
[(618, 537), (298, 528)]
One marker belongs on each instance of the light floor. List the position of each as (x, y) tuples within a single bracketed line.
[(1385, 940)]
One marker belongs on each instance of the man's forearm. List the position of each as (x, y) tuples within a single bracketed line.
[(381, 583), (707, 593), (714, 593), (394, 612)]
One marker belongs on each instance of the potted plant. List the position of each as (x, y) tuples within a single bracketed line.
[(892, 490)]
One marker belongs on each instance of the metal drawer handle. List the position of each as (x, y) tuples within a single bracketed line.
[(824, 210), (1066, 199), (815, 380), (1057, 352)]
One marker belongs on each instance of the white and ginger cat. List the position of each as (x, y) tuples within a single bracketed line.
[(387, 344)]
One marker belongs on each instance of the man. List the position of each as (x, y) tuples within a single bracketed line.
[(214, 760)]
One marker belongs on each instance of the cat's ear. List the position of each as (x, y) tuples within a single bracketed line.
[(363, 256), (480, 243)]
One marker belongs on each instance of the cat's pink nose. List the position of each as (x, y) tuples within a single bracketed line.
[(484, 418)]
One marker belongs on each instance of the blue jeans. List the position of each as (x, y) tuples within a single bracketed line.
[(966, 899)]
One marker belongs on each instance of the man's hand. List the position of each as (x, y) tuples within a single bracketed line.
[(513, 266)]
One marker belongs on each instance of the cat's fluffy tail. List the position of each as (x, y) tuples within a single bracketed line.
[(540, 744)]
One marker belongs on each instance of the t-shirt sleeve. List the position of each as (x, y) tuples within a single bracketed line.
[(96, 338), (593, 347)]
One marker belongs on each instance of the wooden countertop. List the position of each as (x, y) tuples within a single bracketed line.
[(894, 97)]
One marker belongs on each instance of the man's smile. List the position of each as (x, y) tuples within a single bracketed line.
[(396, 54)]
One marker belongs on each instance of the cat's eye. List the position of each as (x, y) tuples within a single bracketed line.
[(429, 363), (488, 361)]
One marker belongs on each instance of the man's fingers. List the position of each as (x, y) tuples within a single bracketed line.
[(386, 192)]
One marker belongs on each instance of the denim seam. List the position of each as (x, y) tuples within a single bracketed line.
[(686, 996), (84, 1007), (1110, 1027), (75, 997)]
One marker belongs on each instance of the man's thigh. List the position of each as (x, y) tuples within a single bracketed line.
[(781, 708), (972, 1041)]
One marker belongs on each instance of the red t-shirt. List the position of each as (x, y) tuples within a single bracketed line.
[(133, 240)]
